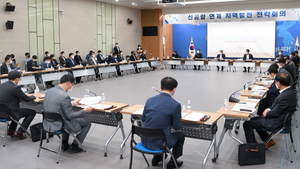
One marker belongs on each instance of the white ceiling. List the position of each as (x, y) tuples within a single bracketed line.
[(152, 4)]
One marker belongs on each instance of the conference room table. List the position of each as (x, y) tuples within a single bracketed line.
[(111, 117), (208, 63), (192, 128)]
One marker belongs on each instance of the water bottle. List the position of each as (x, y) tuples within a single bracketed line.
[(225, 105), (103, 98), (189, 106), (183, 108), (37, 90)]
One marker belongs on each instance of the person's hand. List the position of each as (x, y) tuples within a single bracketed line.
[(265, 113), (88, 109), (77, 101), (33, 67)]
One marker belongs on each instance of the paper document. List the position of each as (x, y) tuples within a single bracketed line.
[(258, 89), (183, 114), (254, 100), (268, 82), (95, 106), (138, 112), (258, 92), (246, 107), (90, 100), (194, 116)]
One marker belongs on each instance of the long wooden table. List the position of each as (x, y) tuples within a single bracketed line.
[(194, 129)]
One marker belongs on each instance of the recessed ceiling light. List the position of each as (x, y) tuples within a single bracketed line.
[(117, 0), (133, 3)]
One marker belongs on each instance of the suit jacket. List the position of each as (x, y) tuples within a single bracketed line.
[(4, 68), (293, 66), (162, 111), (11, 94), (100, 58), (175, 56), (62, 60), (197, 56), (286, 102), (54, 62), (280, 56), (250, 56), (221, 56), (143, 57), (91, 62), (78, 59), (113, 59), (296, 60), (70, 62), (288, 70), (120, 58), (117, 49), (133, 58), (58, 101), (31, 64)]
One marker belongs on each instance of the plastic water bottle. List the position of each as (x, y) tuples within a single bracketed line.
[(37, 90), (189, 106), (183, 108), (225, 105), (103, 98)]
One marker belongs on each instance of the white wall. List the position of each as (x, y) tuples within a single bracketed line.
[(233, 7), (14, 41), (128, 36)]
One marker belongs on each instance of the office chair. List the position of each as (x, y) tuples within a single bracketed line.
[(59, 121), (148, 133), (285, 129), (5, 117)]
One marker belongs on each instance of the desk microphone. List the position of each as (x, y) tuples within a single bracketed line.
[(88, 91), (154, 89)]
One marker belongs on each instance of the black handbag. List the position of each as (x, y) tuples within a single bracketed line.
[(36, 132), (252, 154)]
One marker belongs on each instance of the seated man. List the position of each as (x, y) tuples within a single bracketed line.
[(92, 61), (162, 111), (57, 100), (7, 65), (11, 94), (246, 57), (47, 65), (273, 118), (114, 59), (198, 56), (70, 62), (221, 56)]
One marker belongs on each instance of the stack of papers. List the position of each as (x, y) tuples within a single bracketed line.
[(138, 112), (194, 116), (258, 89), (90, 100), (258, 92), (183, 114), (95, 106), (246, 107)]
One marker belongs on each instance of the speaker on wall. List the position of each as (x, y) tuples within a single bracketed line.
[(129, 21), (9, 24), (9, 7)]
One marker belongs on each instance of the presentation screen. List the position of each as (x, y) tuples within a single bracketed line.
[(234, 38)]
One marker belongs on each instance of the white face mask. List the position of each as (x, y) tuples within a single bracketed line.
[(198, 51), (11, 62), (47, 61), (72, 57), (93, 56), (280, 53), (276, 86), (71, 89)]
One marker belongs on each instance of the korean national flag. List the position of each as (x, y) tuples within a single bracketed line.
[(192, 49), (297, 46)]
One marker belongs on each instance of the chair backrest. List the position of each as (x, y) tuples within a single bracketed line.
[(53, 117), (3, 111), (288, 121), (149, 133)]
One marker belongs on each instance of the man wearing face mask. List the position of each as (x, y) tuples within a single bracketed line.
[(62, 59), (46, 65), (100, 57), (92, 61), (221, 56), (285, 68), (7, 65), (77, 58), (280, 55), (117, 48), (54, 61), (198, 56), (58, 101), (70, 62), (246, 57), (273, 117)]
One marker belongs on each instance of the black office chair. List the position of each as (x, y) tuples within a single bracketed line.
[(285, 129), (5, 117), (59, 121), (148, 133)]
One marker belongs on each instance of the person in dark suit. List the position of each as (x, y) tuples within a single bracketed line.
[(32, 65), (272, 91), (53, 61), (46, 65), (174, 55), (289, 62), (92, 61), (14, 61), (273, 117), (89, 55), (134, 58), (198, 55), (295, 58), (117, 48), (46, 54), (7, 65), (114, 59), (100, 57), (58, 101), (221, 56), (62, 59), (77, 58), (70, 62), (11, 94), (162, 111), (120, 56), (280, 55), (285, 68), (246, 57)]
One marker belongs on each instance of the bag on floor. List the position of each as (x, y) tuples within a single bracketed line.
[(36, 132), (251, 154)]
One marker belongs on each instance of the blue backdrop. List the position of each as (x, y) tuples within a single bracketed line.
[(286, 33), (182, 34)]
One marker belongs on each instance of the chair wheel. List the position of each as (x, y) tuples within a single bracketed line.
[(214, 160), (105, 155), (38, 155), (121, 157)]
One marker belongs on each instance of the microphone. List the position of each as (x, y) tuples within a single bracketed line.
[(88, 91), (154, 89)]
